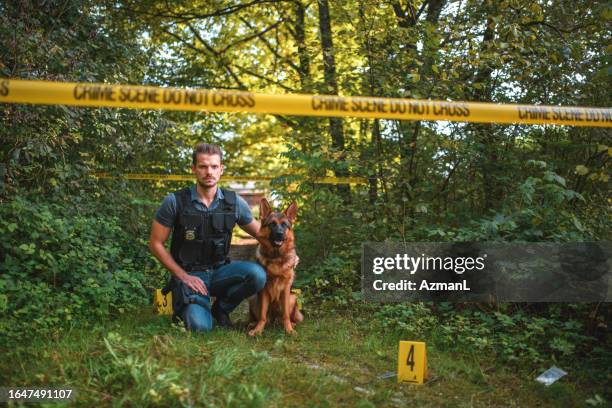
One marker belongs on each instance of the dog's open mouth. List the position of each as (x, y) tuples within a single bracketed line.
[(278, 243)]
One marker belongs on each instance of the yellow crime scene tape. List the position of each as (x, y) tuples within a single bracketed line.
[(240, 179), (197, 99)]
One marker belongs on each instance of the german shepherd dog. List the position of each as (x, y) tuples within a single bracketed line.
[(276, 253)]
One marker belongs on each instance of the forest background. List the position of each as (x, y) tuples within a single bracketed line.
[(74, 248)]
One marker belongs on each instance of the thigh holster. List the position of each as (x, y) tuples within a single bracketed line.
[(182, 296)]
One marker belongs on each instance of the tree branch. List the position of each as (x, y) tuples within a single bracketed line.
[(256, 75), (221, 60), (271, 48), (250, 37), (189, 16)]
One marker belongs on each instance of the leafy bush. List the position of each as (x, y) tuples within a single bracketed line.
[(511, 335), (58, 268), (334, 278), (540, 209)]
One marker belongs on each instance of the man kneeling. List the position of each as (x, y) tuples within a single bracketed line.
[(201, 219)]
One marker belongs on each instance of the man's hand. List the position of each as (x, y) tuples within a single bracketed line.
[(196, 284)]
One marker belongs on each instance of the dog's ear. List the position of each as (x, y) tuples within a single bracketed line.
[(291, 212), (264, 209)]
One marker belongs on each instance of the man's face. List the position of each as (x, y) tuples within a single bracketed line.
[(208, 169)]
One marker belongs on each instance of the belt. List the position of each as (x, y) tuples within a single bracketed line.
[(203, 267)]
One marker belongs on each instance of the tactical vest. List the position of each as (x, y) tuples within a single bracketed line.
[(201, 240)]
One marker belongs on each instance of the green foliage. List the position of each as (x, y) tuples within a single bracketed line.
[(333, 278), (512, 334), (540, 209), (58, 268)]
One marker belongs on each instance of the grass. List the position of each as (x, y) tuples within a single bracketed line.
[(335, 360)]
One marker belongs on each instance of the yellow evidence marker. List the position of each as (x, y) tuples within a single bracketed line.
[(412, 362), (162, 304)]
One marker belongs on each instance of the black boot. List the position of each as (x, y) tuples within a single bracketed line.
[(222, 318)]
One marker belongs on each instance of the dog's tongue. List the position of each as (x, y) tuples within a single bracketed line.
[(278, 243)]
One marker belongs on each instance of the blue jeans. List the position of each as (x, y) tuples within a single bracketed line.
[(230, 284)]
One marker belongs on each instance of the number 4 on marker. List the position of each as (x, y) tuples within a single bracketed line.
[(412, 362), (410, 359)]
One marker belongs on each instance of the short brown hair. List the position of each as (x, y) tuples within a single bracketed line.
[(206, 148)]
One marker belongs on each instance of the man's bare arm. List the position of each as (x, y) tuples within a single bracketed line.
[(252, 228), (159, 235)]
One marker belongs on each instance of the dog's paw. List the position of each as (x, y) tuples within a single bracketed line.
[(254, 332), (289, 329)]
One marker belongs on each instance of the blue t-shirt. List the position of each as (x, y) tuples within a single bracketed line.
[(166, 214)]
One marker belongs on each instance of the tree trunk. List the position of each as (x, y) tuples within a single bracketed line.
[(329, 67), (308, 126), (375, 141), (300, 39), (409, 131), (492, 194)]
